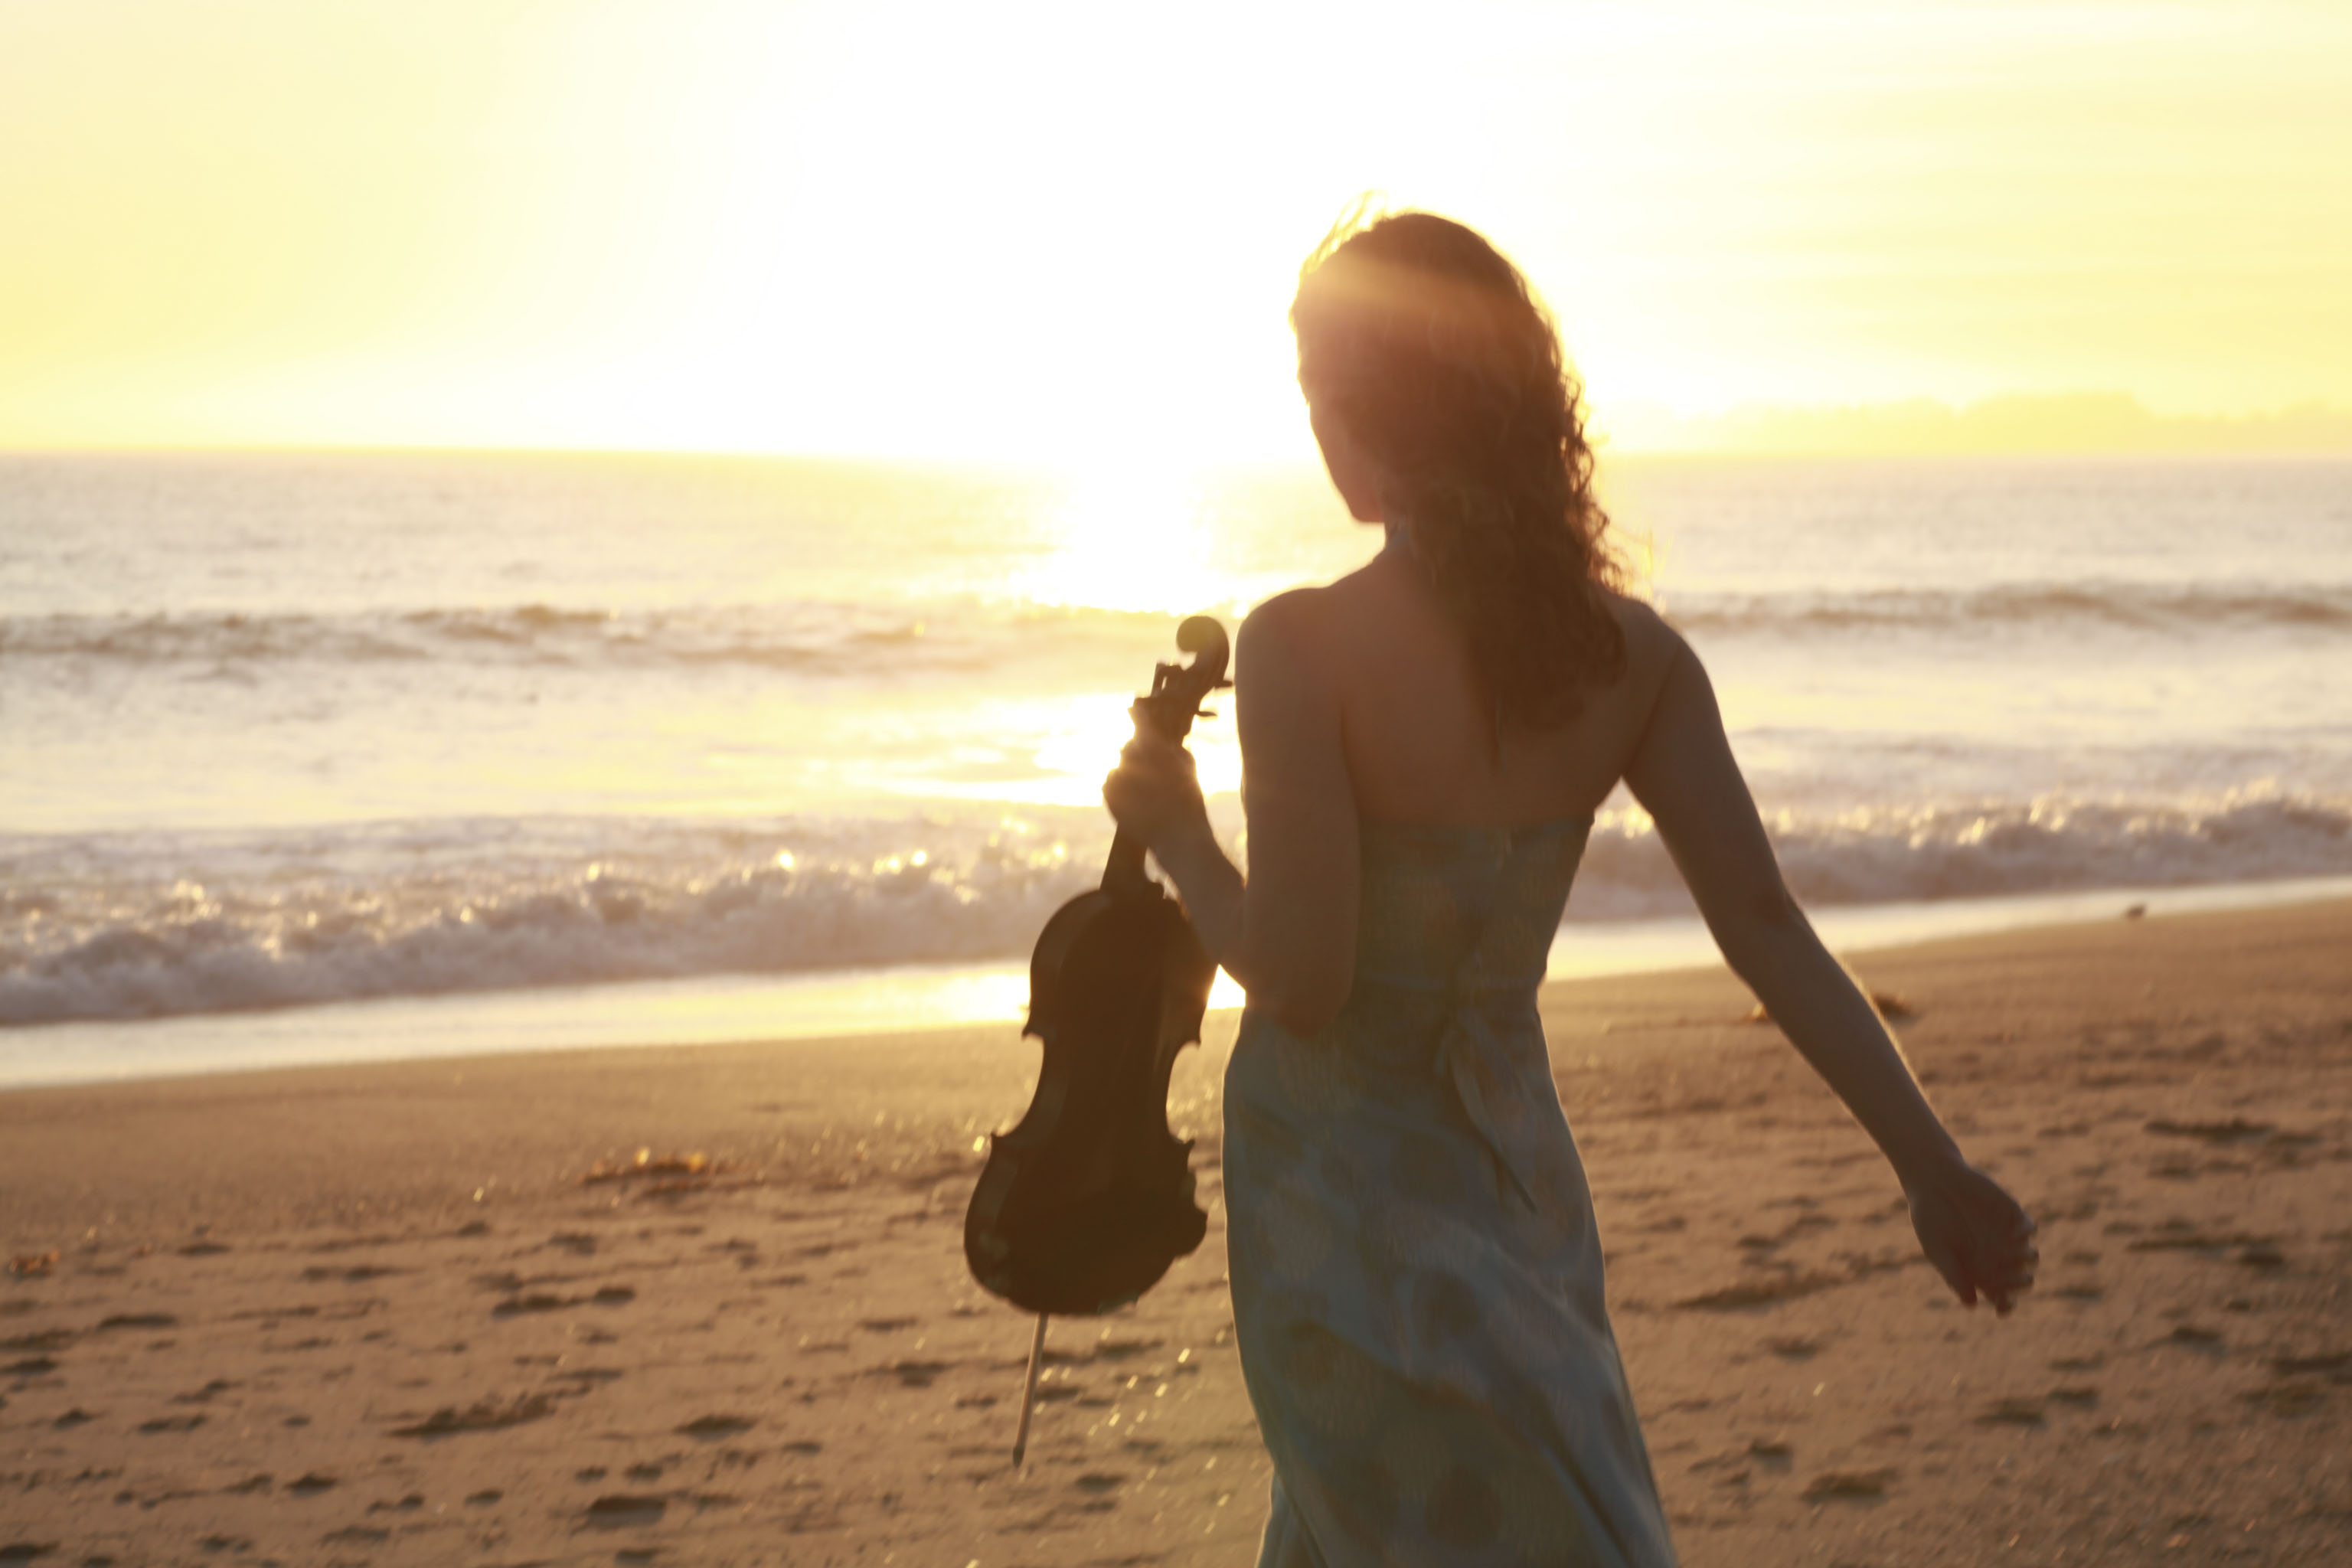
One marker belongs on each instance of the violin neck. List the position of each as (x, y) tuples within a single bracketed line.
[(1125, 867)]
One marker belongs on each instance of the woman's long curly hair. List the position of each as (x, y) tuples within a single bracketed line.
[(1437, 363)]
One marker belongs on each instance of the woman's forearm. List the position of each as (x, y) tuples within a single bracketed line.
[(1214, 895), (1826, 1016)]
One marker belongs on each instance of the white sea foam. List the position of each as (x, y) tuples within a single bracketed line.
[(152, 926)]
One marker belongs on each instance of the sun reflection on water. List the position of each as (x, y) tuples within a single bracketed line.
[(1076, 741)]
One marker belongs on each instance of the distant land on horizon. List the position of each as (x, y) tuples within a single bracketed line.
[(2088, 423)]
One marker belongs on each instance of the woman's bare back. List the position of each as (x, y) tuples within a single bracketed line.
[(1419, 738)]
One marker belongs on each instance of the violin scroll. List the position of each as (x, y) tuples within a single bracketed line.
[(1178, 689)]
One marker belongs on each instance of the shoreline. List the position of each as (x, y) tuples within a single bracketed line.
[(729, 1009), (395, 1313)]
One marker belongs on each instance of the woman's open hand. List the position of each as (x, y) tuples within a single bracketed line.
[(1978, 1237), (1153, 793)]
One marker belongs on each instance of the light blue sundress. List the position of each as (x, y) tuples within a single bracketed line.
[(1416, 1276)]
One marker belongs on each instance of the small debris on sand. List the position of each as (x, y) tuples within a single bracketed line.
[(648, 1163)]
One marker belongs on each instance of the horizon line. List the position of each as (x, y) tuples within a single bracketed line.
[(2079, 425)]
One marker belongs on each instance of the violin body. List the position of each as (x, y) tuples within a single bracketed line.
[(1086, 1203)]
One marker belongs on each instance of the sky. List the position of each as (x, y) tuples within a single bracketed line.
[(1070, 234)]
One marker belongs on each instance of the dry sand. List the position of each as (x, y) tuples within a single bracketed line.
[(376, 1314)]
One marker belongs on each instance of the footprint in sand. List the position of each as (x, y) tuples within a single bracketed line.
[(1849, 1486), (1109, 1349), (2305, 1383), (624, 1510), (2288, 1398), (1770, 1292), (485, 1416), (2013, 1411), (203, 1396), (607, 1296), (166, 1423)]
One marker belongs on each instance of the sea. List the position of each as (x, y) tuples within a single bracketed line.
[(327, 757)]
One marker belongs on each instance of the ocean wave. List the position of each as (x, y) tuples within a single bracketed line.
[(2109, 606), (143, 926), (1924, 854), (812, 639), (260, 933), (825, 639)]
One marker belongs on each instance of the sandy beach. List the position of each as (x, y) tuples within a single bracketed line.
[(708, 1305)]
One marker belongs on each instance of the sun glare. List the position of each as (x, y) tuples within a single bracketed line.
[(1130, 536), (1041, 233)]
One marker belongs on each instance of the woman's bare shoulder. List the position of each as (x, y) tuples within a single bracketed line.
[(1652, 644), (1280, 625), (1285, 634)]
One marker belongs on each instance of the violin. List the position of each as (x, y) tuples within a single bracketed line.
[(1086, 1202)]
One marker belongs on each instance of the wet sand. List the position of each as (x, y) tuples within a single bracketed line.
[(438, 1313)]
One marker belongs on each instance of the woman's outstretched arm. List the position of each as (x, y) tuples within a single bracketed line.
[(1684, 775)]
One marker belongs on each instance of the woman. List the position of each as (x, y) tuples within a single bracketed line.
[(1417, 1282)]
